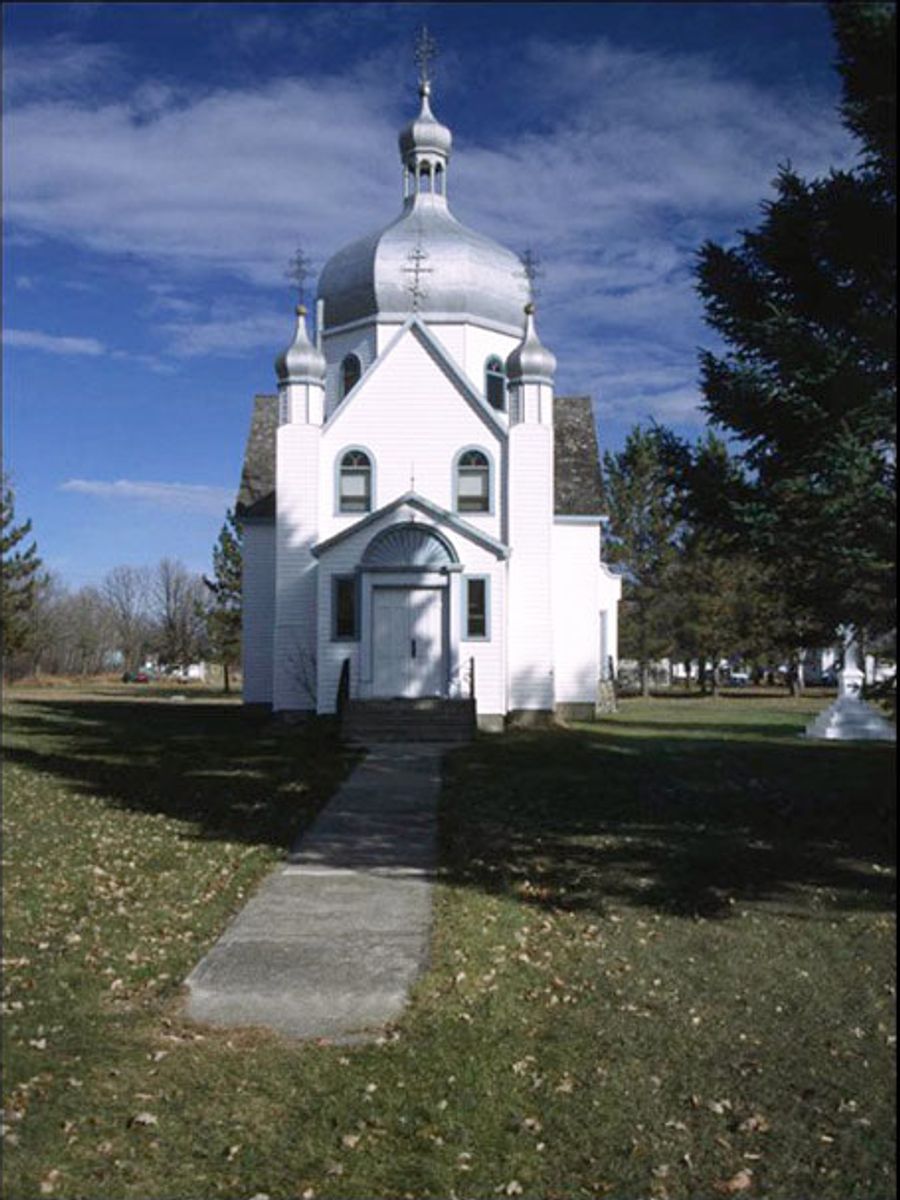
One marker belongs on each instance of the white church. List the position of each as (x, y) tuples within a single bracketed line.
[(421, 512)]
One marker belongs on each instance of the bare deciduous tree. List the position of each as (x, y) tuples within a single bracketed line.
[(127, 592)]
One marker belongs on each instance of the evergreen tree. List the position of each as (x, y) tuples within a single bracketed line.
[(19, 577), (223, 614), (806, 304), (642, 502)]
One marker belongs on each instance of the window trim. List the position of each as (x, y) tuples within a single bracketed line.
[(338, 469), (465, 635), (344, 577), (469, 512), (344, 391)]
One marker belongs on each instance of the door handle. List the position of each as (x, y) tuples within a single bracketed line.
[(413, 648)]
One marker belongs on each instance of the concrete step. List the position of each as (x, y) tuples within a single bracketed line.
[(422, 720)]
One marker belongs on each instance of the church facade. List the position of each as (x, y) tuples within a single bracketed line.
[(421, 513)]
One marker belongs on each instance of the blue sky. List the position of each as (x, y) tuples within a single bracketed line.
[(163, 161)]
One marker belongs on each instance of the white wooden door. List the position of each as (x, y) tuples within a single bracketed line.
[(407, 633)]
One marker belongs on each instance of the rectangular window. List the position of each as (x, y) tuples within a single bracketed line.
[(355, 493), (472, 493), (344, 608), (476, 596)]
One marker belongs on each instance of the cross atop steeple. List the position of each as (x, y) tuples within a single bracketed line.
[(298, 272), (531, 271), (425, 52)]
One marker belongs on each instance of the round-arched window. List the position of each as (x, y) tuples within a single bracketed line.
[(495, 383), (473, 482), (355, 483), (351, 369)]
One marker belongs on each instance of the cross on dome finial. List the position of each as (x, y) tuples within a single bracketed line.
[(298, 271), (531, 272), (417, 257), (425, 52)]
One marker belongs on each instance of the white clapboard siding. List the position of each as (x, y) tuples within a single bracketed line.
[(336, 347), (530, 566), (576, 608), (295, 577), (412, 419)]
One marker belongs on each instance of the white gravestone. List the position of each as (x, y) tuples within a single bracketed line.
[(850, 718)]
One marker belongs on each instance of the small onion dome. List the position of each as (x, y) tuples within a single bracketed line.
[(530, 359), (425, 134), (301, 362)]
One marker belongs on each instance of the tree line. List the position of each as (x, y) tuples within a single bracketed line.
[(777, 529), (167, 614)]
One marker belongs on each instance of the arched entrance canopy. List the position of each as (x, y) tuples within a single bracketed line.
[(409, 545)]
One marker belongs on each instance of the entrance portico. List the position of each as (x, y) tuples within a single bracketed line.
[(408, 576)]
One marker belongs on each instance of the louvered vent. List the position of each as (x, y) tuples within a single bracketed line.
[(408, 546)]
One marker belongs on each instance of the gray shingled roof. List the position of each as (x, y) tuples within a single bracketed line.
[(256, 497), (577, 489), (577, 467)]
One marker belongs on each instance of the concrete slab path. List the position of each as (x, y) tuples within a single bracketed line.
[(332, 941)]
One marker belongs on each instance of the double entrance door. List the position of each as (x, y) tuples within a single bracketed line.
[(408, 641)]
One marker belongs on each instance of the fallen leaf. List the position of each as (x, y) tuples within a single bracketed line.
[(48, 1183), (144, 1118), (756, 1123), (737, 1183)]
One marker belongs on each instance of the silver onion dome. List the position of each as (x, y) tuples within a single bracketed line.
[(301, 362), (531, 359), (425, 134), (425, 261)]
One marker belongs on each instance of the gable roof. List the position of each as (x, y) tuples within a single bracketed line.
[(424, 505), (444, 360), (577, 488)]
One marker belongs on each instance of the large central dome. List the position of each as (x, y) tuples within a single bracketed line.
[(425, 261)]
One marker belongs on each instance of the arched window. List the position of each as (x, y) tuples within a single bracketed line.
[(439, 180), (495, 383), (473, 482), (351, 369), (425, 177), (355, 482)]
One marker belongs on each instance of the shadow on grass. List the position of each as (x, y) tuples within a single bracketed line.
[(693, 822), (230, 773)]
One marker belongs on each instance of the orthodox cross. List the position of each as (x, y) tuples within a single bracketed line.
[(298, 271), (531, 271), (425, 53), (417, 257)]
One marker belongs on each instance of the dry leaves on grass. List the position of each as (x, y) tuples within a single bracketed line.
[(737, 1183)]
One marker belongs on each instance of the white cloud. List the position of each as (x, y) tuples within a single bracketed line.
[(33, 339), (58, 66), (185, 497), (638, 157), (228, 337)]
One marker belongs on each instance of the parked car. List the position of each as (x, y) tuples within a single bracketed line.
[(135, 677), (737, 679)]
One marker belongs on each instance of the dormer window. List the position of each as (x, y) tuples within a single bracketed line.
[(473, 482), (351, 369), (355, 483), (495, 383)]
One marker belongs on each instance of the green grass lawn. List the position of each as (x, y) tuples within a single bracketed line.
[(663, 964)]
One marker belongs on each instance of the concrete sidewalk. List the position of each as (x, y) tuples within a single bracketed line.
[(332, 941)]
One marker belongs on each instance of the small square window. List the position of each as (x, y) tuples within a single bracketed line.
[(345, 608), (476, 608)]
